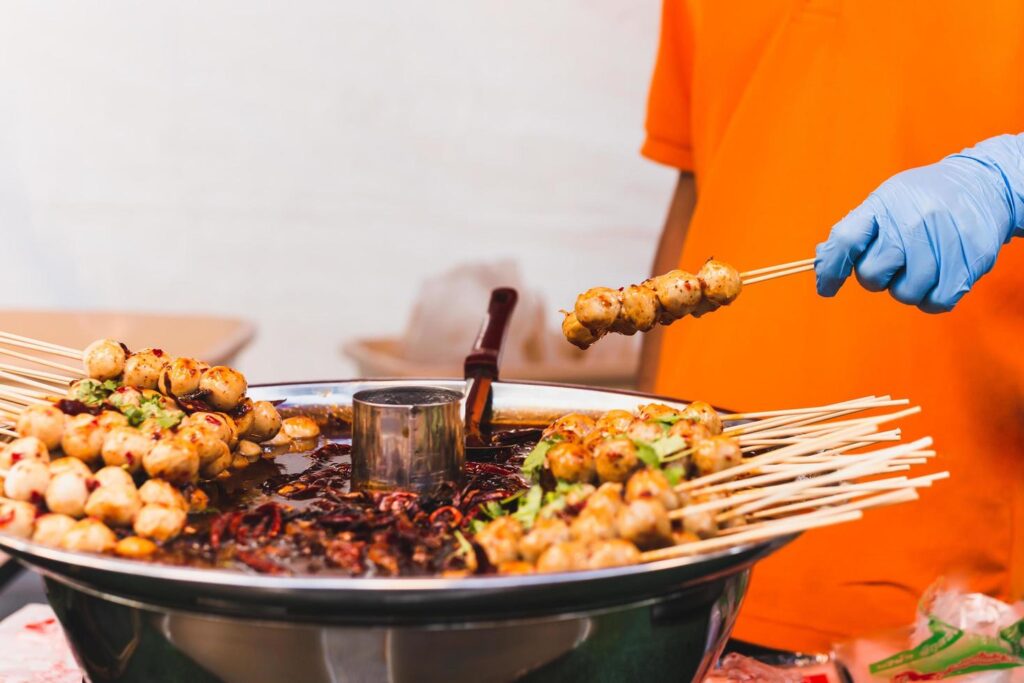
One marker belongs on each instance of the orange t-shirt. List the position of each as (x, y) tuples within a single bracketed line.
[(789, 112)]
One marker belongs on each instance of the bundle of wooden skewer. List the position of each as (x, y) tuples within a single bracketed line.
[(804, 468), (38, 377)]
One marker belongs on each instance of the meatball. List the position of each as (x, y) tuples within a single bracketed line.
[(719, 282), (657, 411), (142, 368), (640, 310), (126, 447), (244, 418), (221, 461), (27, 480), (703, 413), (51, 529), (125, 397), (646, 431), (69, 464), (573, 423), (181, 376), (691, 432), (563, 557), (545, 533), (612, 553), (266, 421), (225, 385), (678, 293), (83, 437), (705, 306), (216, 424), (67, 493), (701, 524), (207, 445), (174, 460), (597, 308), (249, 450), (651, 483), (500, 539), (606, 499), (515, 568), (135, 547), (25, 448), (717, 453), (301, 427), (571, 462), (110, 419), (578, 335), (104, 359), (159, 522), (91, 536), (614, 422), (17, 518), (615, 459), (159, 492), (644, 522), (45, 422), (113, 476), (114, 505), (592, 525)]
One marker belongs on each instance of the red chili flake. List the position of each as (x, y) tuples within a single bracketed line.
[(91, 484), (158, 352), (213, 419), (455, 516), (15, 457), (40, 625), (6, 518), (129, 458)]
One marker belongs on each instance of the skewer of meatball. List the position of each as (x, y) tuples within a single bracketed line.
[(628, 511), (659, 300)]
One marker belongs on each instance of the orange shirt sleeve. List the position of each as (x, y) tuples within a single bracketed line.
[(668, 139)]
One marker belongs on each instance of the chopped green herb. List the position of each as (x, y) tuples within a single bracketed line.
[(529, 506), (535, 460), (646, 452), (668, 420), (674, 474), (465, 547), (476, 525), (668, 445)]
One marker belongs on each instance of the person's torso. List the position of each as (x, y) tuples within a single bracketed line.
[(800, 109)]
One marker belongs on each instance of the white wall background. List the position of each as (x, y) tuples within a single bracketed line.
[(306, 164)]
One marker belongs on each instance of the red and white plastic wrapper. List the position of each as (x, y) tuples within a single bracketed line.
[(960, 636), (33, 648), (738, 668)]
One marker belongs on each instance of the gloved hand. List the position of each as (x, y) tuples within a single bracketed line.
[(929, 233)]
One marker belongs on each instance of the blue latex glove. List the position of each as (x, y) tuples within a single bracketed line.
[(928, 234)]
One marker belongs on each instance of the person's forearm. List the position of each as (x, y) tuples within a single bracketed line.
[(670, 246)]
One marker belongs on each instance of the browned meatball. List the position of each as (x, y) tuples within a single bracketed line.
[(703, 413), (592, 525), (647, 431), (651, 483), (700, 524), (678, 293), (545, 533), (577, 334), (614, 552), (615, 459), (717, 453), (573, 423), (606, 499), (597, 308), (644, 522), (656, 411), (640, 310), (720, 283), (500, 540), (571, 462), (563, 557), (614, 422), (692, 432)]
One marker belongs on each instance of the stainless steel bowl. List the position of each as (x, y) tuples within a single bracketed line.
[(131, 621)]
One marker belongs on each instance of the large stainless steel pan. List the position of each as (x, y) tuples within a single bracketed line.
[(131, 621)]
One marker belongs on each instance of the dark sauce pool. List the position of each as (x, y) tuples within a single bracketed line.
[(293, 512)]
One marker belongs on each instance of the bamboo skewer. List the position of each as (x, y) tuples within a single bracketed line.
[(793, 525), (781, 266), (42, 347), (76, 372), (778, 273), (38, 343), (38, 374)]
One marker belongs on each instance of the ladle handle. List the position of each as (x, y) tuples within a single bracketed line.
[(483, 359)]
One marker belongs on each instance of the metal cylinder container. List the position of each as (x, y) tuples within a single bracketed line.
[(407, 438)]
